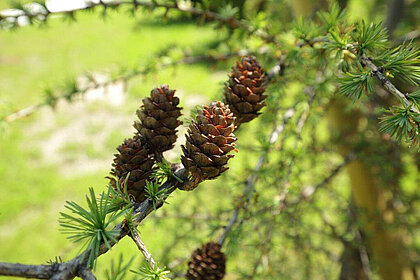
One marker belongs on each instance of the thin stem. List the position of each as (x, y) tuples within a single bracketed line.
[(134, 234), (301, 122), (310, 192)]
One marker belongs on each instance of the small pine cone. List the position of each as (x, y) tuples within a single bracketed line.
[(207, 263), (244, 91), (133, 158), (209, 140), (159, 119)]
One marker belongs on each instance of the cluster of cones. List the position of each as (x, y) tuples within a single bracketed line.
[(210, 140)]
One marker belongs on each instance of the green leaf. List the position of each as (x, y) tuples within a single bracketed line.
[(415, 97), (164, 172), (305, 29), (90, 225), (370, 38), (402, 62), (120, 199), (118, 270), (332, 17), (402, 124), (228, 11), (149, 273), (155, 194), (353, 85)]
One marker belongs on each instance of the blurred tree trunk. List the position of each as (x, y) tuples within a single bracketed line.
[(352, 266), (394, 14), (260, 5), (301, 7), (370, 197), (375, 215), (355, 263)]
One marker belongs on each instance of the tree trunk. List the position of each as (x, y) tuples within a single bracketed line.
[(352, 266)]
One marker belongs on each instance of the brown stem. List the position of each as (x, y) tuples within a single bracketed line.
[(134, 234)]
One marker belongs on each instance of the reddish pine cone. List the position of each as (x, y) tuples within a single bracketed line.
[(209, 140), (133, 158), (244, 91), (207, 263), (159, 119)]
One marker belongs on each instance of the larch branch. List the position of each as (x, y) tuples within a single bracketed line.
[(386, 83)]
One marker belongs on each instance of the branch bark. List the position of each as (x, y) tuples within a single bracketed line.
[(26, 271), (86, 274)]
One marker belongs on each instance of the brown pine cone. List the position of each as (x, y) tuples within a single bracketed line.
[(207, 263), (244, 92), (209, 140), (159, 119), (133, 158)]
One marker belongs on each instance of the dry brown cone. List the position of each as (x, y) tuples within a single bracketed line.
[(207, 263), (159, 119), (133, 158), (209, 140), (244, 92)]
